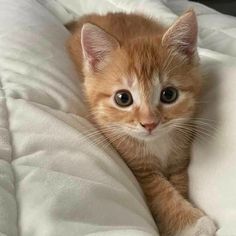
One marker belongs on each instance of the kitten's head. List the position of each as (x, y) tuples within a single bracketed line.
[(147, 86)]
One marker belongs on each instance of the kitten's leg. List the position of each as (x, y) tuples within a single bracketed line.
[(174, 215), (179, 180)]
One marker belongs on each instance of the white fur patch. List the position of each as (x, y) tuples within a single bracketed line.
[(157, 87), (160, 147), (203, 227)]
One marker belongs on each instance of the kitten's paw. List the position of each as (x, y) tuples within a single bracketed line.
[(203, 227)]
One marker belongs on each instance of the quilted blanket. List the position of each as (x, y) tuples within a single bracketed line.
[(54, 179)]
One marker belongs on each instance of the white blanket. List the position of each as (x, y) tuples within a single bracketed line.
[(56, 182)]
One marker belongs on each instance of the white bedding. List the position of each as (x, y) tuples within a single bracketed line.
[(53, 181)]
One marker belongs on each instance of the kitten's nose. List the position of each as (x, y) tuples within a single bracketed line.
[(150, 126)]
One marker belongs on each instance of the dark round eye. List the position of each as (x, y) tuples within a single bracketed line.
[(123, 98), (169, 95)]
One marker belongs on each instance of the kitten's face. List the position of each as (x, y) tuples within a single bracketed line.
[(143, 104), (143, 88)]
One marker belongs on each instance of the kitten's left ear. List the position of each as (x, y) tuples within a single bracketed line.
[(183, 34)]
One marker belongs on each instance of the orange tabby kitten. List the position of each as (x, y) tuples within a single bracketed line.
[(142, 83)]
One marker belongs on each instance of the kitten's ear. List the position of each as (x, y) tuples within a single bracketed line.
[(96, 46), (183, 34)]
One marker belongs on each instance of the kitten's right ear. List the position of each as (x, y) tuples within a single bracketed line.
[(97, 46), (183, 34)]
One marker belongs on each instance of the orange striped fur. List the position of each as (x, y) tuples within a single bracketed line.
[(138, 54)]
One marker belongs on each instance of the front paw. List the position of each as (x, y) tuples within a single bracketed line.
[(204, 226)]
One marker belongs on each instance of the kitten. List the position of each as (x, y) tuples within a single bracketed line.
[(142, 84)]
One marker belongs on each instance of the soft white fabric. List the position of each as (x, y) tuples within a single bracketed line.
[(212, 170), (55, 182)]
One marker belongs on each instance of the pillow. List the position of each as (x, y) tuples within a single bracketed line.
[(53, 180), (212, 170)]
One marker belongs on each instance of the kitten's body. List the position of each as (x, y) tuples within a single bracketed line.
[(136, 54)]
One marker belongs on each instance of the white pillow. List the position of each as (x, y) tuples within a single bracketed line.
[(53, 181), (212, 170)]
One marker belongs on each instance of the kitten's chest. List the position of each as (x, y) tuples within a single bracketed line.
[(160, 150)]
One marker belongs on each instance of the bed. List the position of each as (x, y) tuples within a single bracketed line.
[(54, 180)]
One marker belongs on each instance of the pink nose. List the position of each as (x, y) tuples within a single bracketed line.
[(150, 126)]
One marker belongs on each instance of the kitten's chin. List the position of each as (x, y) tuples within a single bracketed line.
[(148, 137), (144, 136)]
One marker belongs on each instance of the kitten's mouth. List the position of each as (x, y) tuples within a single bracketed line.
[(143, 135), (150, 135)]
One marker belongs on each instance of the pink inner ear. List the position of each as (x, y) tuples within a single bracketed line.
[(183, 34), (96, 45), (187, 44), (93, 55)]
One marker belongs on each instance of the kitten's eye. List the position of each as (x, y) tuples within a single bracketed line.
[(169, 95), (123, 98)]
